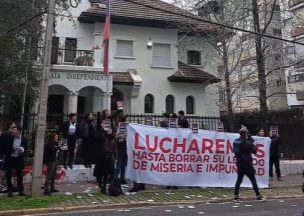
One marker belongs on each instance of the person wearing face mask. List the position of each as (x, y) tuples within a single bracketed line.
[(87, 133), (70, 133), (14, 160)]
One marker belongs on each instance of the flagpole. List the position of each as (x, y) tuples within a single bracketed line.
[(106, 41)]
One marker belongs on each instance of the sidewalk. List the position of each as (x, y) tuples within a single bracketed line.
[(81, 195)]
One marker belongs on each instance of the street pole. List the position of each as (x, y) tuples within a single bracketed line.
[(40, 131)]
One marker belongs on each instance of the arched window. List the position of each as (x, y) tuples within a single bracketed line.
[(190, 105), (149, 103), (169, 104)]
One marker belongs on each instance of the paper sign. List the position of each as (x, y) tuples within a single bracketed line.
[(122, 128), (149, 121), (274, 130), (194, 127), (106, 124), (120, 105), (172, 122), (219, 126)]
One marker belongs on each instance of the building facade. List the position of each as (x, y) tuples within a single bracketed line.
[(153, 68), (294, 30)]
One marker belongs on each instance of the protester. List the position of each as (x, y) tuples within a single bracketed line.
[(14, 159), (87, 132), (164, 123), (51, 151), (274, 158), (105, 171), (69, 131), (121, 153), (261, 132), (243, 148), (182, 120)]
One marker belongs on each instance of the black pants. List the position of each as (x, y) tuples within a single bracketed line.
[(250, 173), (106, 171), (121, 167), (14, 163), (50, 179), (276, 162), (69, 152)]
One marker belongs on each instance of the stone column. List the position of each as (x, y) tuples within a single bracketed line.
[(104, 101), (97, 102), (72, 102)]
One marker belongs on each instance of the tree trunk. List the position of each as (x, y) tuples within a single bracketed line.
[(228, 88), (260, 59)]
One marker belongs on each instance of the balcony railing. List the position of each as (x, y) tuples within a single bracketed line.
[(296, 78), (293, 3), (72, 57)]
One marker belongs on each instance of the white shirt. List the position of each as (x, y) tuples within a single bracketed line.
[(72, 128)]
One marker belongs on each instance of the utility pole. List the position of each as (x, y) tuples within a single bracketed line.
[(40, 131)]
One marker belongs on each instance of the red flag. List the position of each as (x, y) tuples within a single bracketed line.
[(106, 38)]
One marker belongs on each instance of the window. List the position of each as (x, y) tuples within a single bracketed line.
[(194, 57), (169, 104), (55, 49), (70, 49), (277, 57), (276, 8), (190, 105), (124, 48), (222, 96), (277, 32), (281, 83), (149, 103), (161, 55)]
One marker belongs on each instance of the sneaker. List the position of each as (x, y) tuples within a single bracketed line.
[(47, 193), (123, 181), (21, 193), (175, 187), (10, 194), (134, 189), (71, 166), (260, 198), (236, 198)]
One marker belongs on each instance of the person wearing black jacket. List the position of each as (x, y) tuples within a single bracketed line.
[(69, 131), (50, 158), (182, 120), (14, 159), (243, 148), (87, 135), (274, 156)]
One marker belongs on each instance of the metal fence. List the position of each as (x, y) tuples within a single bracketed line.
[(55, 121)]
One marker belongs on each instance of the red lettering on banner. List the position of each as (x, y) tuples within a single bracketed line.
[(154, 148), (199, 168), (229, 147), (221, 168), (193, 147), (219, 146), (260, 151), (161, 145), (136, 142), (171, 167), (207, 145), (177, 145)]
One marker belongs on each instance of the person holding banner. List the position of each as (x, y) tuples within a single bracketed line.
[(274, 156), (243, 148)]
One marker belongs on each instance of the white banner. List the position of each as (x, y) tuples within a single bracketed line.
[(178, 157)]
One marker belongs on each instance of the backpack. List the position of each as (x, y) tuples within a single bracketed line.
[(115, 187)]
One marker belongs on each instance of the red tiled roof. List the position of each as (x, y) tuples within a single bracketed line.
[(145, 10), (122, 78), (191, 74)]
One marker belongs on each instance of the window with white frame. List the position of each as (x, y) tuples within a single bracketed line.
[(161, 55), (124, 48)]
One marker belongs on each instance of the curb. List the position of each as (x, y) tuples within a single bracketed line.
[(131, 204)]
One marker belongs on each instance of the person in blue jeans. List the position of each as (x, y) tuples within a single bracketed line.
[(122, 157)]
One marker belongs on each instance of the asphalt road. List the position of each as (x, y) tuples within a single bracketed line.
[(290, 207)]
